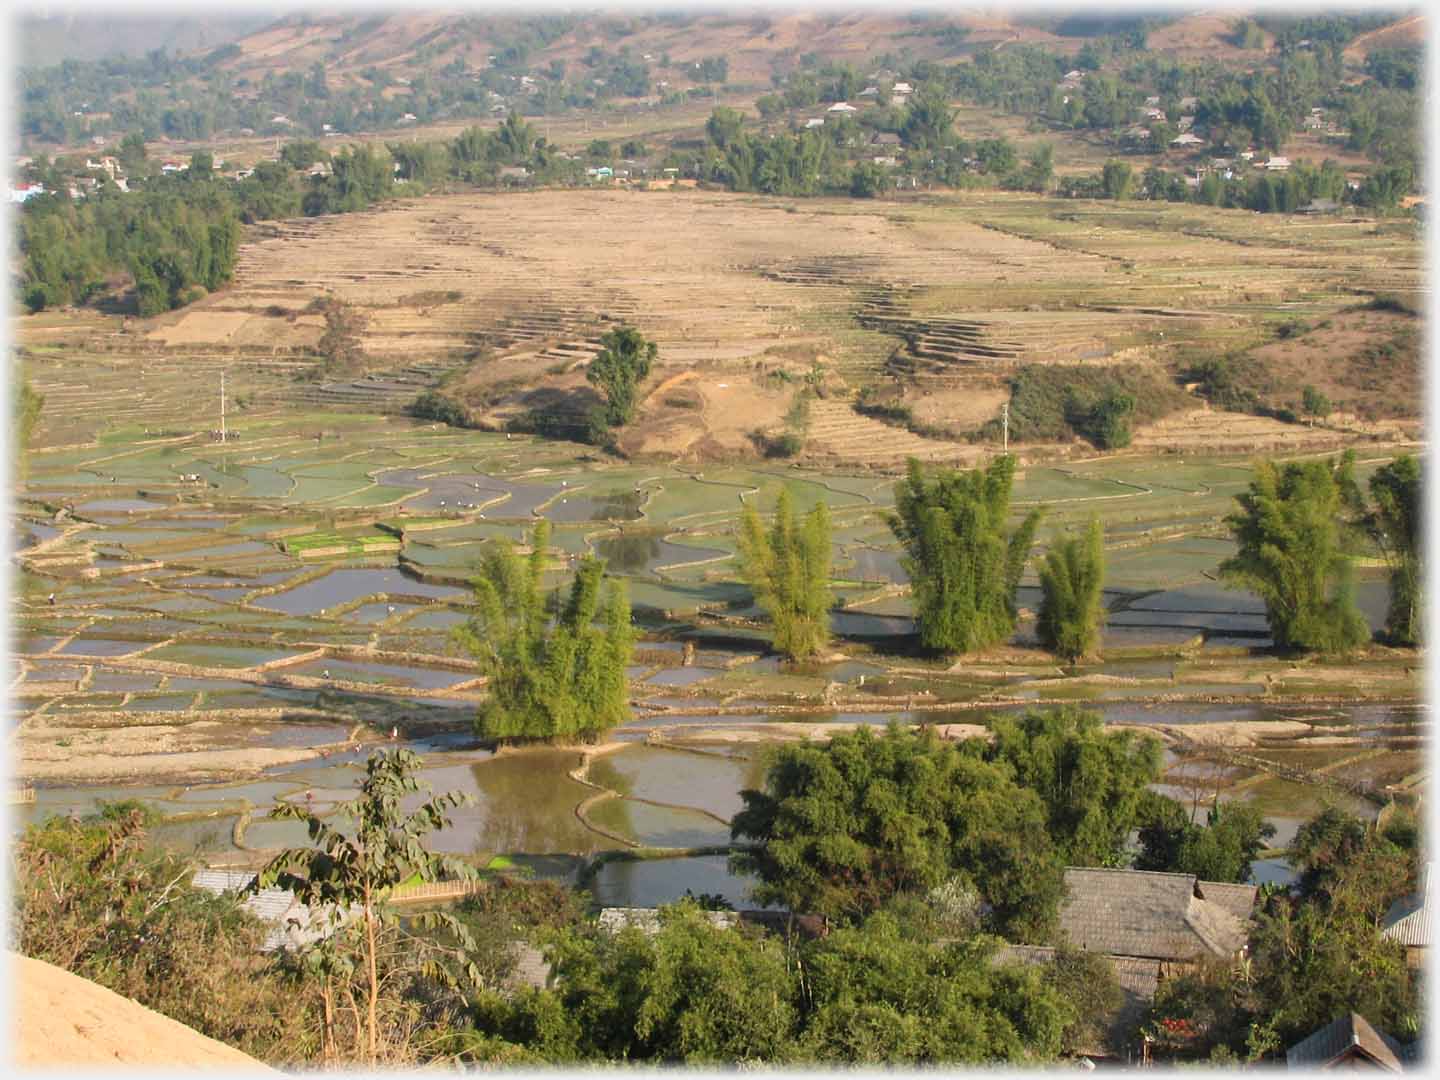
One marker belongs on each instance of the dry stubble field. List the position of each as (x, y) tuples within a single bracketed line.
[(745, 294)]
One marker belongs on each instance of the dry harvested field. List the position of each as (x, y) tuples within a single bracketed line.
[(745, 294)]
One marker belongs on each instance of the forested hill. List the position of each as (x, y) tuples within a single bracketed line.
[(363, 72)]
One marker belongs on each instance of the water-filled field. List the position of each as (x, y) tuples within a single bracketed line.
[(267, 610)]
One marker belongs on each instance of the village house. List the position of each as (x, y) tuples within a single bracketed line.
[(21, 192), (1185, 138), (814, 122), (1409, 919), (1277, 164), (901, 90), (869, 91), (1350, 1042), (1150, 926), (292, 924), (885, 138), (842, 107)]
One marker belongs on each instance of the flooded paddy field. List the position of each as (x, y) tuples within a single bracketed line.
[(218, 645)]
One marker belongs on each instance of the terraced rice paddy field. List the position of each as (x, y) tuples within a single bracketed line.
[(213, 626)]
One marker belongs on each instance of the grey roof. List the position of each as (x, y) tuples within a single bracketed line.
[(1409, 920), (1347, 1035), (615, 919), (531, 968), (1147, 914), (1237, 899), (294, 925), (1138, 979)]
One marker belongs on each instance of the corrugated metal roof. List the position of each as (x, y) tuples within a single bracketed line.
[(1348, 1034), (1410, 919), (294, 925), (614, 919)]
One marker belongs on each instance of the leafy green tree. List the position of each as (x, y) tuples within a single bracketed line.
[(693, 993), (1072, 607), (725, 126), (24, 415), (517, 138), (1086, 982), (789, 570), (928, 120), (1117, 179), (1289, 553), (131, 154), (844, 827), (564, 680), (1092, 780), (963, 561), (1315, 403), (1394, 524), (1222, 850), (1343, 858), (877, 996), (346, 875), (622, 364)]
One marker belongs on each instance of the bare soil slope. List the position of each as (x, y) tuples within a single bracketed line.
[(67, 1022)]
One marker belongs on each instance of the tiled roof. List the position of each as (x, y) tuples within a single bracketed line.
[(1146, 914), (1350, 1033), (1409, 920)]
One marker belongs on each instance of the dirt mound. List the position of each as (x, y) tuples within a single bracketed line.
[(66, 1021)]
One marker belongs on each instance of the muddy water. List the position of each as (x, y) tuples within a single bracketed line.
[(872, 564), (651, 882), (455, 491), (643, 553), (381, 674), (703, 781), (614, 506), (342, 586), (659, 826)]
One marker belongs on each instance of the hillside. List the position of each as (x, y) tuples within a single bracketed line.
[(68, 1023), (51, 39)]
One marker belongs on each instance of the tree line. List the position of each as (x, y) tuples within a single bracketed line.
[(556, 668)]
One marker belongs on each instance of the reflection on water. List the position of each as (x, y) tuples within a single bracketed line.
[(615, 506), (703, 781), (642, 552), (652, 882), (340, 586)]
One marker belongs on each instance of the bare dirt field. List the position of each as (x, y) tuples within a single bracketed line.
[(66, 1022), (951, 294)]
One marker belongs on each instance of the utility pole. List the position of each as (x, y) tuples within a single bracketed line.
[(1005, 427), (222, 404)]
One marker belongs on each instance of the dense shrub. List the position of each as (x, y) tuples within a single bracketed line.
[(1057, 402)]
